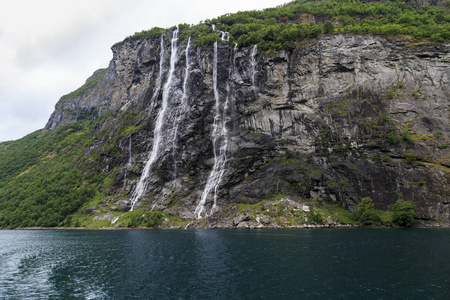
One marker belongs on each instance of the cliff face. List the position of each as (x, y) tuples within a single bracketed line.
[(338, 118)]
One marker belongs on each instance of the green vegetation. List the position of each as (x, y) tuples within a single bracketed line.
[(91, 82), (39, 185), (148, 219), (91, 114), (314, 217), (403, 212), (152, 219), (366, 212), (152, 33), (283, 210), (411, 158), (278, 28)]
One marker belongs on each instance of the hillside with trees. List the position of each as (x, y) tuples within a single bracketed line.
[(55, 177)]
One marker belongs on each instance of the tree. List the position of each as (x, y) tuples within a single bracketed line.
[(155, 218), (314, 217), (328, 27), (403, 212), (366, 212)]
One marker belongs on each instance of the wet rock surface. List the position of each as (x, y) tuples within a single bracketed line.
[(340, 117)]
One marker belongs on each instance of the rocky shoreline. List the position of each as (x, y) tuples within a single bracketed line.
[(419, 225)]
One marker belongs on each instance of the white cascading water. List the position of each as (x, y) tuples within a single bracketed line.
[(183, 105), (225, 36), (158, 131), (254, 63), (162, 61), (220, 140), (129, 153), (129, 164)]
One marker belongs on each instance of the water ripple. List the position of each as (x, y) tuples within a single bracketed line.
[(221, 264)]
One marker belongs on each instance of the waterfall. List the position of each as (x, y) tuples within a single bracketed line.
[(129, 161), (183, 105), (220, 139), (225, 36), (129, 152), (254, 63), (158, 131), (162, 60)]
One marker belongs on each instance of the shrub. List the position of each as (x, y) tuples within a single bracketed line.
[(386, 118), (391, 95), (406, 135), (155, 219), (437, 134), (279, 28), (152, 33), (410, 158), (136, 221), (403, 212), (392, 137), (207, 40), (328, 27), (386, 159), (376, 158), (366, 212), (314, 217)]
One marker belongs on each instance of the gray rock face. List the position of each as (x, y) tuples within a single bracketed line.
[(341, 117)]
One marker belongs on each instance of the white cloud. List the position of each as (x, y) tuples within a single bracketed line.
[(50, 47)]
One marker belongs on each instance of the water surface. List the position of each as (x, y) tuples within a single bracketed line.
[(226, 264)]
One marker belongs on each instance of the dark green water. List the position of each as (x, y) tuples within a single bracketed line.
[(226, 264)]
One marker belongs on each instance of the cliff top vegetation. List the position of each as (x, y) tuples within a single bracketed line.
[(280, 27)]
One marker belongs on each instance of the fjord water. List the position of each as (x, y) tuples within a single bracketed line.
[(225, 264)]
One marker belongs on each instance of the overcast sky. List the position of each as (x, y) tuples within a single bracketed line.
[(50, 47)]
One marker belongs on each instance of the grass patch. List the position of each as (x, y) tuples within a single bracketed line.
[(444, 168), (255, 133), (339, 214), (91, 82), (422, 137)]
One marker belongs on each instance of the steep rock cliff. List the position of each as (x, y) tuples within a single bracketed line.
[(336, 118)]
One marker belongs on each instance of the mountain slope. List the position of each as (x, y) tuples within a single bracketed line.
[(308, 114)]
